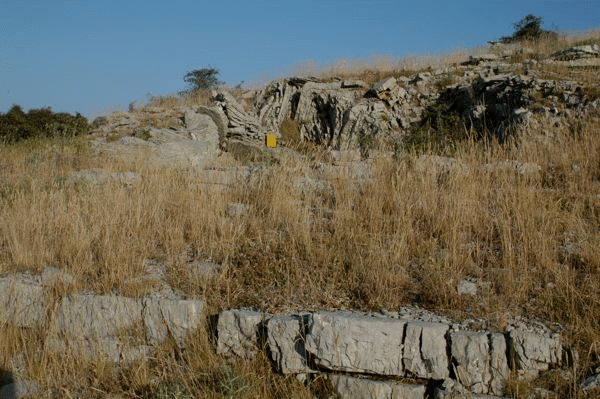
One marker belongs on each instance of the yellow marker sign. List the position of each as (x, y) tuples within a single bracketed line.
[(271, 140)]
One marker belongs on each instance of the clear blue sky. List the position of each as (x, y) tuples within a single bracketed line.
[(94, 55)]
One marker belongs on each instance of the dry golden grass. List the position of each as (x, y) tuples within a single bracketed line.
[(404, 236)]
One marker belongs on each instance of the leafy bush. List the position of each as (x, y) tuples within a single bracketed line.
[(201, 79), (440, 129), (529, 28), (17, 125)]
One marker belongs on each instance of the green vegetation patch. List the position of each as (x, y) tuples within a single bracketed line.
[(17, 125)]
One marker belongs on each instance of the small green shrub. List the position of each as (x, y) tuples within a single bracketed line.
[(17, 125), (529, 28), (440, 129), (200, 79)]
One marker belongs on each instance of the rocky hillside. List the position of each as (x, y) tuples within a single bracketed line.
[(485, 96), (429, 233)]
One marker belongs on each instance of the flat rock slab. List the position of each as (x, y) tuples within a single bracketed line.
[(107, 349), (22, 302), (348, 387), (534, 351), (95, 315), (425, 354), (171, 317), (286, 336), (238, 333), (470, 359), (353, 343), (97, 177)]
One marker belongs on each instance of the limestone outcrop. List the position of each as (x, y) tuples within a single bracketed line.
[(358, 351), (105, 326), (486, 94), (409, 353)]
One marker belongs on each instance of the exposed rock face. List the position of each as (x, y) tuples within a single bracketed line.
[(411, 343), (95, 316), (97, 325), (425, 354), (349, 342), (286, 337), (578, 52), (486, 93), (239, 333), (489, 104), (470, 353), (164, 318), (408, 344), (22, 301), (353, 387), (338, 114)]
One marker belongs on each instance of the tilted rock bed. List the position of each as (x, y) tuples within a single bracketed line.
[(487, 95)]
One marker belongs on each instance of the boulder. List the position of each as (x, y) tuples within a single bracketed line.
[(286, 337), (205, 127), (238, 333), (425, 353), (240, 124), (204, 270), (349, 387), (173, 318), (499, 370), (470, 360), (95, 315), (386, 90), (591, 383), (467, 287), (22, 301), (355, 343), (533, 350)]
